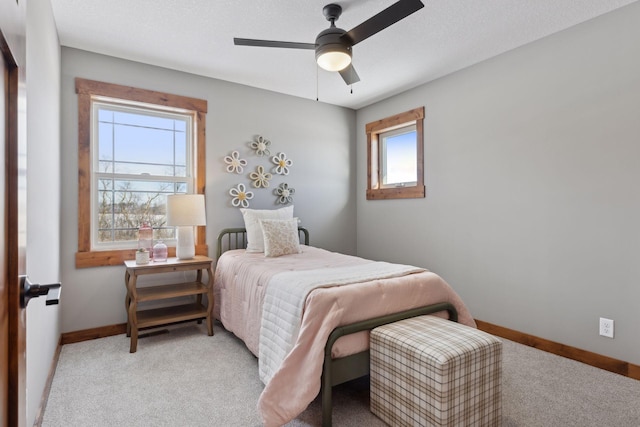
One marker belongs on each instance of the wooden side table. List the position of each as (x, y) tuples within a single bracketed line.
[(138, 319)]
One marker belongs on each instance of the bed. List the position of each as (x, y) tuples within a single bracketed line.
[(329, 343)]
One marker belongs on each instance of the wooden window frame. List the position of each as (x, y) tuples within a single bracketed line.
[(86, 90), (374, 129)]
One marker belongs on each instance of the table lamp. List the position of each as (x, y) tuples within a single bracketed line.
[(185, 211)]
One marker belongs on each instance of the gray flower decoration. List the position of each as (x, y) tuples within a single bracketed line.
[(284, 194), (260, 177), (282, 164), (261, 145)]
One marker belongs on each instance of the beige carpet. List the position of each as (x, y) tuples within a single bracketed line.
[(186, 378)]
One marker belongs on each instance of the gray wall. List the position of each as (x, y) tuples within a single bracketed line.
[(43, 194), (316, 136), (532, 176)]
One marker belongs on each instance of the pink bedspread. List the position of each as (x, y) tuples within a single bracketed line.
[(239, 286)]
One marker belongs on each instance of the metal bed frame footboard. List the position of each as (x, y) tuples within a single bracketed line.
[(343, 369)]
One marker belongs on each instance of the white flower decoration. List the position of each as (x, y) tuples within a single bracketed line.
[(282, 164), (235, 163), (284, 193), (261, 145), (240, 196), (260, 177)]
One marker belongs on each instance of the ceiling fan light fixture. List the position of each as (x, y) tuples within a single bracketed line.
[(333, 60), (334, 45)]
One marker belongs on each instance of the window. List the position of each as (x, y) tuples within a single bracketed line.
[(398, 159), (139, 156), (135, 148), (395, 159)]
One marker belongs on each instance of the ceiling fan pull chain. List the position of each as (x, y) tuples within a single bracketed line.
[(316, 82)]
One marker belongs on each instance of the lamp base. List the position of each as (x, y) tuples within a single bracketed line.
[(186, 247)]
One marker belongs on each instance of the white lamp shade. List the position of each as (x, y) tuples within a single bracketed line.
[(186, 209)]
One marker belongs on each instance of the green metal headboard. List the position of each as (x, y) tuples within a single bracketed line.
[(236, 238)]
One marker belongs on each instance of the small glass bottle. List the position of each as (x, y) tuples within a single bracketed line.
[(145, 238), (160, 252)]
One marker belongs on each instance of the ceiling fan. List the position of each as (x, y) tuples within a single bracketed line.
[(334, 45)]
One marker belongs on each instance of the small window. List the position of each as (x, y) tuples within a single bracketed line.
[(395, 157), (135, 147), (398, 157)]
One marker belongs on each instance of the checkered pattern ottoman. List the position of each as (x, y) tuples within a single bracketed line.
[(428, 371)]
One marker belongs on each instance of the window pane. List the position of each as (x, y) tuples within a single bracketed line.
[(125, 205), (105, 136), (136, 144), (141, 143), (181, 125), (148, 169), (399, 158), (143, 120), (105, 115), (144, 146), (181, 187), (180, 149)]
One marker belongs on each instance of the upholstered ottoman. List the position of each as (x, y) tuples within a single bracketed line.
[(428, 371)]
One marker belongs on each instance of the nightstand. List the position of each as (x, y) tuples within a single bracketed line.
[(138, 318)]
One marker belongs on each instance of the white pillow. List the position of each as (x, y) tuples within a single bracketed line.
[(252, 217), (280, 237)]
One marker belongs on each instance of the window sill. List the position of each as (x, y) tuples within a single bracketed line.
[(118, 257), (417, 192)]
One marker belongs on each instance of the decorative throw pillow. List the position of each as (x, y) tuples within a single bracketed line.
[(252, 217), (280, 237)]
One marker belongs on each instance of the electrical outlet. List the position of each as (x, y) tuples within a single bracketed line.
[(606, 327)]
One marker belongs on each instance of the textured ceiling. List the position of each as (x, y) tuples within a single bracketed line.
[(196, 36)]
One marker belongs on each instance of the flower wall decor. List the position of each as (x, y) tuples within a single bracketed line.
[(284, 194), (259, 174), (260, 177), (261, 145), (282, 164), (240, 196), (235, 163)]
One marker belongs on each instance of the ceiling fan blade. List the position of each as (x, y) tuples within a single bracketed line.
[(382, 20), (349, 75), (272, 43)]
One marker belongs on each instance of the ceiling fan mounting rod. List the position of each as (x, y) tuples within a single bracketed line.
[(332, 12)]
